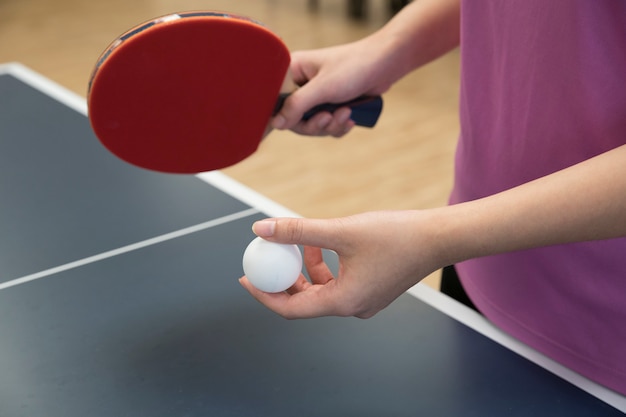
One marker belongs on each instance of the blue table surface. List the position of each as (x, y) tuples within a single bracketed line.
[(164, 329)]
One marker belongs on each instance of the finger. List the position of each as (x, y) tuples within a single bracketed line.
[(264, 298), (317, 301), (335, 124), (340, 124), (301, 284), (294, 107), (302, 67), (316, 267), (315, 126), (322, 233)]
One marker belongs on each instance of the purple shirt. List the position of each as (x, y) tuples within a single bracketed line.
[(544, 87)]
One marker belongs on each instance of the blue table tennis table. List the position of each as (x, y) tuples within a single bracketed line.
[(119, 297)]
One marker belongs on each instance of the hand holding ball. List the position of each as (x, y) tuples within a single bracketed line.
[(271, 267)]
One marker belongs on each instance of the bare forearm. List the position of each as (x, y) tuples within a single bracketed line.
[(422, 32), (584, 202)]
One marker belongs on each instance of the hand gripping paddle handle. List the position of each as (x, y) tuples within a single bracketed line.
[(365, 109)]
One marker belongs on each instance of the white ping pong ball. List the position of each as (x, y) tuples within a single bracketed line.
[(271, 267)]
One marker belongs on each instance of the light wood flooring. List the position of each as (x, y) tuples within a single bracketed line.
[(404, 163)]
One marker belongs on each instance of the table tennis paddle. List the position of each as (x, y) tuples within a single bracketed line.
[(194, 92)]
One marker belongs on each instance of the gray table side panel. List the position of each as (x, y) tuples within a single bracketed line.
[(167, 331)]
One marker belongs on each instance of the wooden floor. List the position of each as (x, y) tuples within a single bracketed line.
[(404, 163)]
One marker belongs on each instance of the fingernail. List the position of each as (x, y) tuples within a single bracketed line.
[(279, 122), (344, 116), (264, 228), (324, 121), (349, 125)]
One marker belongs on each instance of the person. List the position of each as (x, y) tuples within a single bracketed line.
[(536, 225)]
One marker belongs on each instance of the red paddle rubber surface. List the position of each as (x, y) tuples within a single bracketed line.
[(188, 95)]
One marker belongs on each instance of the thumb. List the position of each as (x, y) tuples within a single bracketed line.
[(308, 232), (296, 104)]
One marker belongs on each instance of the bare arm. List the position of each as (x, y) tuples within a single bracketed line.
[(421, 32), (584, 202), (382, 254)]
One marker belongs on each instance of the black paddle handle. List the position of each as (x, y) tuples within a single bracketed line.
[(365, 109)]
